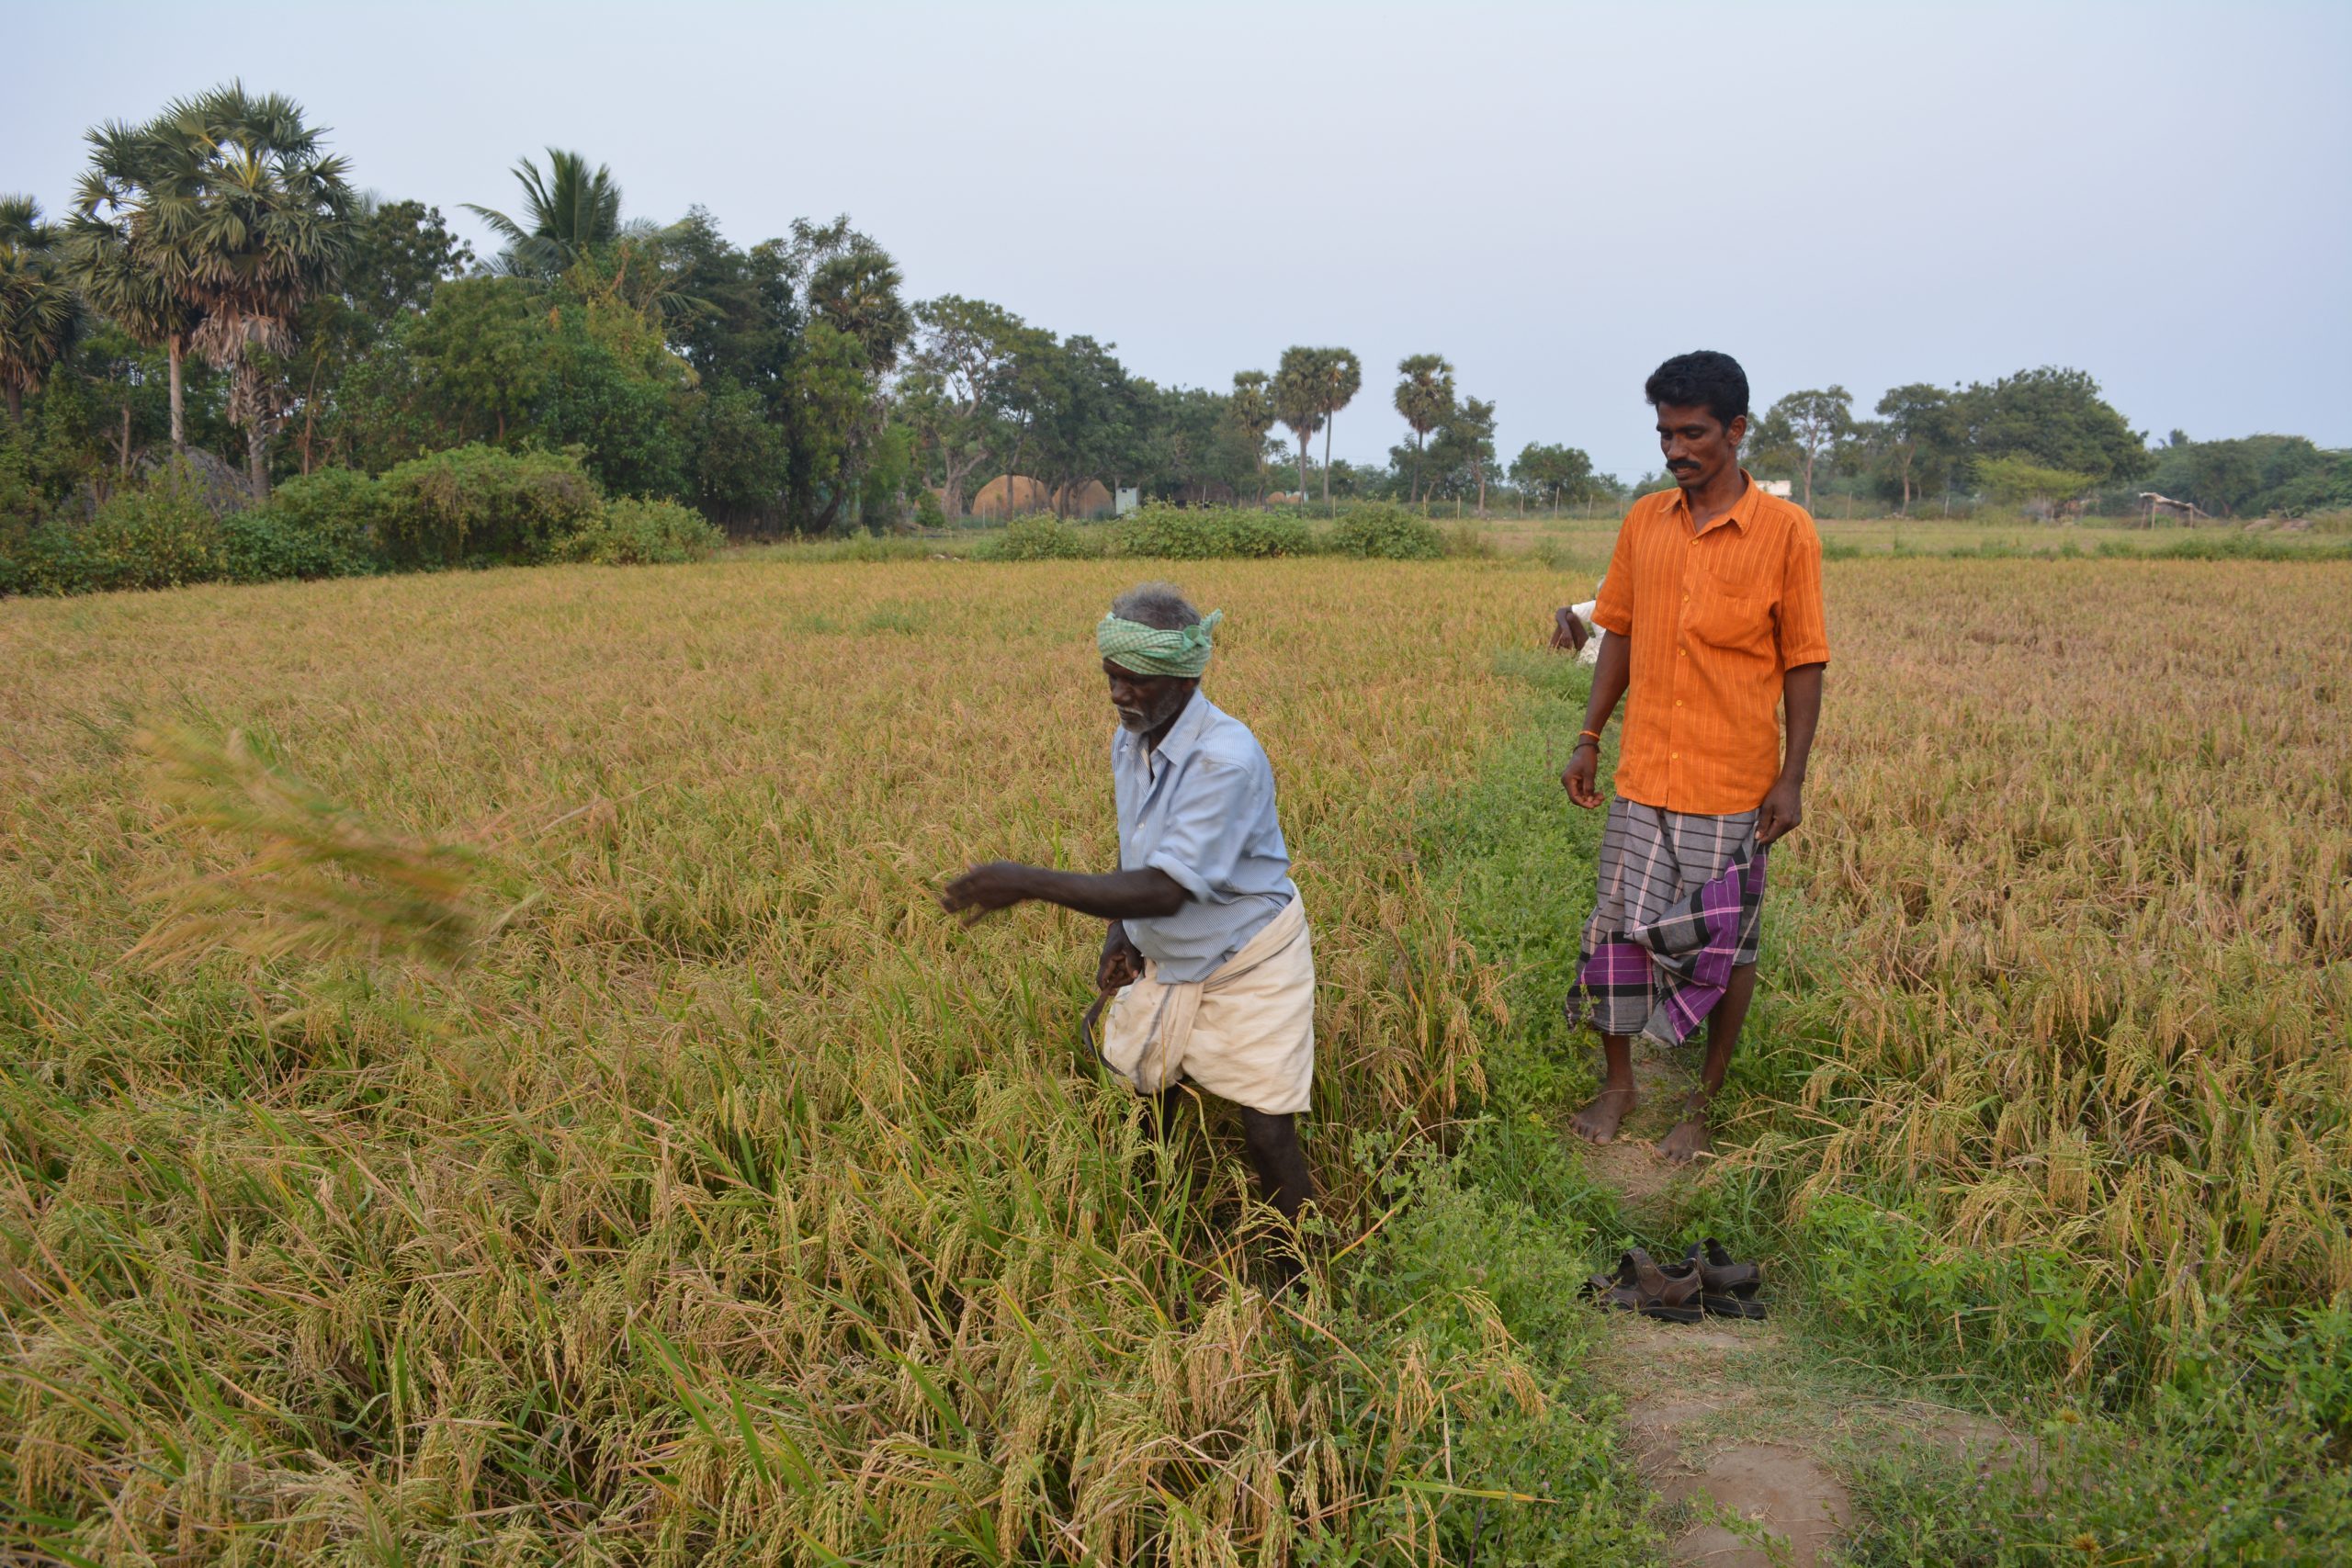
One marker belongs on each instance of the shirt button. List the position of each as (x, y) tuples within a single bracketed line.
[(1674, 757)]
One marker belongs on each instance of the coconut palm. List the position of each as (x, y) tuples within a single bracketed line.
[(37, 312), (1299, 399), (259, 217), (566, 211), (1338, 377), (121, 256), (1425, 397), (1252, 408)]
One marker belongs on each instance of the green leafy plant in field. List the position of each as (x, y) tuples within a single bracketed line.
[(1202, 533), (479, 505), (1387, 533), (332, 516), (2231, 1475), (630, 532), (160, 532), (1040, 537), (1878, 1275)]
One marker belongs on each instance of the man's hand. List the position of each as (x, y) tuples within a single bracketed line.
[(999, 885), (1122, 963), (1583, 769), (1569, 633), (1783, 809)]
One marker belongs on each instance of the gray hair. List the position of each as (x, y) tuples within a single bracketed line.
[(1159, 605)]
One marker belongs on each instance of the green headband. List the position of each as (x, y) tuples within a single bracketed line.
[(1149, 650)]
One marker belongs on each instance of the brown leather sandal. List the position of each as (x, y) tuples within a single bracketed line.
[(1727, 1287), (1669, 1294)]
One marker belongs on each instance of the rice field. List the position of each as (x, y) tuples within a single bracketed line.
[(694, 1191)]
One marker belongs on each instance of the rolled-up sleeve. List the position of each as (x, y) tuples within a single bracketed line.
[(1207, 828), (1802, 626)]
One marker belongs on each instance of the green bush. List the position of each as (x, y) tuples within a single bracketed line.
[(928, 513), (1387, 533), (321, 524), (1205, 533), (641, 533), (476, 505), (156, 534), (1041, 538)]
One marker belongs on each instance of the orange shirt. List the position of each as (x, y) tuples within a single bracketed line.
[(1715, 619)]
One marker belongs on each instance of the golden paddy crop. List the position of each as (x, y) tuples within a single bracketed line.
[(730, 1203), (2074, 944), (733, 1200)]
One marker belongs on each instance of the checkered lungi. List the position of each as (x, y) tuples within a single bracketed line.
[(1680, 905)]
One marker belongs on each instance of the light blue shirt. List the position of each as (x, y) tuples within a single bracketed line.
[(1200, 808)]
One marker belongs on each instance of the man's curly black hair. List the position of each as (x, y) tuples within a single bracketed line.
[(1706, 377)]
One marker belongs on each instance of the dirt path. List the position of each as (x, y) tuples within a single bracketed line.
[(1733, 1424)]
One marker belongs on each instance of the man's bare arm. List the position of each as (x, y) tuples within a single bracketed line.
[(1784, 807), (1609, 676), (1113, 895)]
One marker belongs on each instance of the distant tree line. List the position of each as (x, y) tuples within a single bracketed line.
[(2042, 437), (220, 294)]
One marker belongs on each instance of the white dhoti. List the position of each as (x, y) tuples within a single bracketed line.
[(1246, 1033)]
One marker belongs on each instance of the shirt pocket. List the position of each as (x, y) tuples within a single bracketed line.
[(1735, 617)]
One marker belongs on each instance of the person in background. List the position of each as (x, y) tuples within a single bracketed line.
[(1573, 632)]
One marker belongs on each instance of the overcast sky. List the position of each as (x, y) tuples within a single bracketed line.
[(1555, 197)]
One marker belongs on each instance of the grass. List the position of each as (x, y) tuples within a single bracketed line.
[(700, 1193)]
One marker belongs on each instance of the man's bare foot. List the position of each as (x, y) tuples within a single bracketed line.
[(1688, 1140), (1598, 1122)]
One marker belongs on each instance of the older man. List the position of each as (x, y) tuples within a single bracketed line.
[(1206, 949), (1713, 608)]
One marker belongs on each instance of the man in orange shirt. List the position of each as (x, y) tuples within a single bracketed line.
[(1713, 603)]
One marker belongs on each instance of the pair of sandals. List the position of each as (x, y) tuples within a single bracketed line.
[(1706, 1281)]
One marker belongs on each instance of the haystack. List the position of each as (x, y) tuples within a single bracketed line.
[(1011, 495), (1086, 499)]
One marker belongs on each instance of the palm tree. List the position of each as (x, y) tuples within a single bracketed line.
[(262, 215), (1476, 423), (1425, 397), (1338, 377), (121, 256), (1298, 401), (1252, 408), (566, 212), (857, 291), (37, 312)]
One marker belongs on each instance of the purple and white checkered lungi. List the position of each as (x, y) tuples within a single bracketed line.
[(1681, 904)]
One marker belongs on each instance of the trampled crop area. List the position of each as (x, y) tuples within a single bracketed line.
[(731, 1203)]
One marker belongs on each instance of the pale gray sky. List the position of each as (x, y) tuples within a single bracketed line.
[(1553, 196)]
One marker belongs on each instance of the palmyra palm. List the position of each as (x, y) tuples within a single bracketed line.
[(1298, 401), (1425, 397), (38, 311), (1339, 376), (210, 228)]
